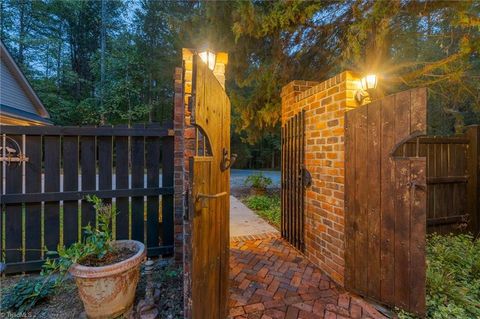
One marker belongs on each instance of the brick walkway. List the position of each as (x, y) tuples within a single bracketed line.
[(270, 279)]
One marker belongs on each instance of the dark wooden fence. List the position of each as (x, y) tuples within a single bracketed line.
[(453, 179), (43, 199), (293, 191)]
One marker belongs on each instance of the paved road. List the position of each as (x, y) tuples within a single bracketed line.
[(238, 176)]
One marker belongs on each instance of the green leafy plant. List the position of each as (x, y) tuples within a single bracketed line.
[(267, 207), (96, 244), (258, 181), (453, 278)]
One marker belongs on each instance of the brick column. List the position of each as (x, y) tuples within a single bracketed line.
[(325, 104), (179, 167)]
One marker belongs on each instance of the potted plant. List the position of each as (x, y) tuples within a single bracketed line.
[(106, 271), (258, 183)]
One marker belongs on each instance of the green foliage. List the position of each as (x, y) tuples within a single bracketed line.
[(97, 243), (258, 181), (267, 207), (453, 277)]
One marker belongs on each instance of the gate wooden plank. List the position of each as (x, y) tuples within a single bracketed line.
[(417, 237), (387, 223), (122, 160), (350, 128), (361, 202), (374, 198), (88, 164), (138, 178), (152, 157), (13, 212), (52, 184), (167, 181), (402, 204), (70, 183), (33, 211)]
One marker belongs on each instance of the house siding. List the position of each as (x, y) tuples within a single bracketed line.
[(11, 92)]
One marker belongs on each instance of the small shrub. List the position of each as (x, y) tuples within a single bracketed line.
[(267, 207), (258, 181)]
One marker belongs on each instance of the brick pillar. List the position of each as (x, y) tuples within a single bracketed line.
[(325, 104), (179, 167)]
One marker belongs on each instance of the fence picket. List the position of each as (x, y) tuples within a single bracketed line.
[(33, 211), (70, 183)]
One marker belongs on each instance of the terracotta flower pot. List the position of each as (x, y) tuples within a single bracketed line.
[(109, 291)]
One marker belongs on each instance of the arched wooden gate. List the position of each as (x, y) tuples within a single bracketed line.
[(385, 201), (209, 203)]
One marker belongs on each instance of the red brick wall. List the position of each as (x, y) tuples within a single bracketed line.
[(325, 104)]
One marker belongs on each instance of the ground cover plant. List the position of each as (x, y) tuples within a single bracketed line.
[(453, 277), (266, 206)]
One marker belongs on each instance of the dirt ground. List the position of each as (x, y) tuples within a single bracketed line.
[(67, 305)]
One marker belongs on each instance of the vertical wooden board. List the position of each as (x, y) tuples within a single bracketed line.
[(13, 212), (350, 127), (418, 110), (152, 161), (70, 183), (33, 211), (290, 182), (88, 165), (105, 163), (361, 201), (473, 186), (374, 201), (52, 184), (167, 181), (402, 204), (138, 176), (417, 237), (122, 160), (387, 211)]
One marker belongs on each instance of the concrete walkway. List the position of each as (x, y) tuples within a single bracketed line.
[(244, 222)]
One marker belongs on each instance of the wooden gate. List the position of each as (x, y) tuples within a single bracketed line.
[(293, 180), (210, 195), (385, 202), (43, 196)]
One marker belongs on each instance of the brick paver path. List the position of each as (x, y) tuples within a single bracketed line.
[(270, 279)]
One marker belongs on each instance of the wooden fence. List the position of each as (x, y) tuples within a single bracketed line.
[(43, 199), (452, 179)]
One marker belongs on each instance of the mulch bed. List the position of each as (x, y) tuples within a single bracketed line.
[(167, 280)]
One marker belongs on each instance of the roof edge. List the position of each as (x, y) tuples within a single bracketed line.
[(23, 82)]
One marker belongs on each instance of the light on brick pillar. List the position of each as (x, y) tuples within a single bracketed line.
[(325, 105)]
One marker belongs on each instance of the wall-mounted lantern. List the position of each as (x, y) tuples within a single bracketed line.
[(367, 85), (209, 57)]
